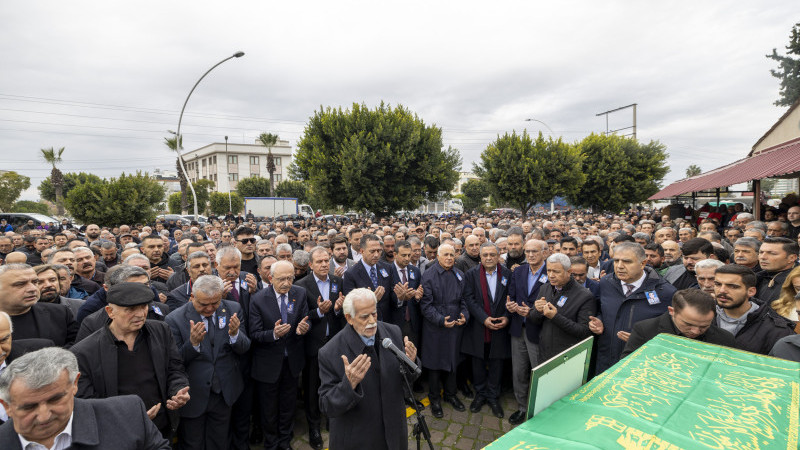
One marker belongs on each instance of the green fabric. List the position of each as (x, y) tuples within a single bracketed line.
[(674, 393)]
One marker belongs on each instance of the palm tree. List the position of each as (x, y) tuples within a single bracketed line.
[(172, 144), (268, 140), (53, 157)]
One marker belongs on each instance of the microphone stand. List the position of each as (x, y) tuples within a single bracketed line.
[(421, 427)]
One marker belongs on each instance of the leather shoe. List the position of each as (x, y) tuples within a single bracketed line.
[(416, 404), (436, 409), (455, 402), (497, 410), (477, 404), (315, 439), (517, 418)]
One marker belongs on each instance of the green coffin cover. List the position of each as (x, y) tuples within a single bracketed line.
[(674, 393)]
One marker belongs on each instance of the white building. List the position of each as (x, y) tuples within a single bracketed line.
[(463, 177), (169, 180), (226, 167)]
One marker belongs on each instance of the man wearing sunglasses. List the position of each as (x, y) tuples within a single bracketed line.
[(246, 243)]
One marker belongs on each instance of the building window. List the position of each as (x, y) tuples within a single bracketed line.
[(214, 158), (277, 160), (233, 159), (277, 177), (233, 177), (254, 160), (204, 162)]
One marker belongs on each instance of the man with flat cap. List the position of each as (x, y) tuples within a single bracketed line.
[(133, 355)]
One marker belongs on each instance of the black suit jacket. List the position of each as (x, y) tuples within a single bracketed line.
[(97, 360), (474, 332), (332, 321), (120, 423), (414, 278), (647, 329), (52, 321), (217, 355), (268, 352), (357, 277)]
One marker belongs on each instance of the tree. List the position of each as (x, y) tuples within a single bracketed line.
[(128, 199), (619, 171), (253, 187), (172, 144), (292, 189), (11, 186), (475, 193), (693, 170), (380, 160), (788, 70), (269, 140), (522, 172), (71, 179), (218, 203), (53, 157), (202, 189), (27, 206)]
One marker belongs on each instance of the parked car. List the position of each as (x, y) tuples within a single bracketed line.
[(177, 218), (17, 220)]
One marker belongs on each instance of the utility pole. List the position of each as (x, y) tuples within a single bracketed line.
[(633, 127)]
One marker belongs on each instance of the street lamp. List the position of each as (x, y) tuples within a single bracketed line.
[(179, 145), (552, 133), (228, 169)]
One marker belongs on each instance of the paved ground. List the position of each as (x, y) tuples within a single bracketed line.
[(456, 430)]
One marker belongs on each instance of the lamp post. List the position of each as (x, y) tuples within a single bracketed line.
[(227, 168), (180, 118)]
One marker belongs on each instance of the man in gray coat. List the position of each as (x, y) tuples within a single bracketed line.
[(44, 383), (361, 381)]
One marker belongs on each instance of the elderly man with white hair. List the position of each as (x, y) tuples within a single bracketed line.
[(360, 379), (445, 314)]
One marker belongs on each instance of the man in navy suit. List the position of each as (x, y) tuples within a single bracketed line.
[(209, 334), (325, 299), (579, 270), (278, 320), (523, 291), (373, 274), (406, 292), (486, 336)]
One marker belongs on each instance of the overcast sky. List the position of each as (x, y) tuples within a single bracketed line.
[(107, 79)]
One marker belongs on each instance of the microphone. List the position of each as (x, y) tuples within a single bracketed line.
[(387, 344)]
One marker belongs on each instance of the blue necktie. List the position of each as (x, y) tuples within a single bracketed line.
[(284, 309), (374, 277)]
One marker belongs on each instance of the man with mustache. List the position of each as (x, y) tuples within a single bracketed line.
[(50, 288), (756, 326), (85, 265)]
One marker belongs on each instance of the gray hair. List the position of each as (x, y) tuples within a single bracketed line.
[(643, 236), (39, 369), (106, 245), (210, 285), (414, 240), (60, 267), (756, 230), (559, 258), (709, 264), (637, 249), (278, 265), (442, 247), (758, 224), (488, 244), (124, 273), (130, 258), (356, 294), (316, 250), (744, 215), (8, 319), (283, 248), (82, 249), (751, 242), (11, 267), (196, 255), (228, 252), (301, 258)]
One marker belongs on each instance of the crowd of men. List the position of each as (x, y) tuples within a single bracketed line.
[(219, 329)]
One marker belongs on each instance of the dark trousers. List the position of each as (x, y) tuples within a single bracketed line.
[(208, 431), (311, 384), (240, 418), (487, 373), (435, 384), (278, 402)]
